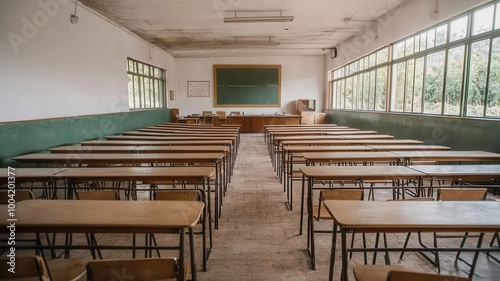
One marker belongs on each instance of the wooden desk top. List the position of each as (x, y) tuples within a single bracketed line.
[(351, 156), (458, 170), (366, 137), (451, 155), (93, 149), (161, 143), (351, 132), (75, 158), (369, 142), (171, 138), (103, 216), (310, 128), (308, 137), (138, 173), (360, 172), (30, 174), (425, 216), (184, 148), (326, 148), (173, 129), (414, 147), (178, 133)]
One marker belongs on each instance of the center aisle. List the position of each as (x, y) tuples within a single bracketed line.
[(258, 236)]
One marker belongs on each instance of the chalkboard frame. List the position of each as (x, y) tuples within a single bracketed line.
[(247, 66)]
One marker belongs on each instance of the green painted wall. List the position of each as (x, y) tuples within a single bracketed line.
[(458, 133), (33, 136)]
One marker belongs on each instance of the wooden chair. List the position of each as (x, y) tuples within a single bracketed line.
[(452, 194), (375, 272), (222, 117), (20, 195), (190, 195), (207, 112), (319, 212), (396, 275), (33, 268), (135, 269), (97, 195)]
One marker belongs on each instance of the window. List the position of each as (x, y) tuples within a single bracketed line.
[(452, 68), (146, 85)]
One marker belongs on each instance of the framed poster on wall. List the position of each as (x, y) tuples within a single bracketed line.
[(198, 88)]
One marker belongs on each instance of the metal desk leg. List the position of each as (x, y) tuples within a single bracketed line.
[(343, 274), (333, 251)]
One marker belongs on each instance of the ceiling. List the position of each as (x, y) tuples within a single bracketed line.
[(195, 28)]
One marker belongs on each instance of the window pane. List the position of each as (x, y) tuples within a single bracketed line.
[(410, 67), (398, 86), (399, 50), (493, 104), (342, 93), (441, 33), (409, 47), (434, 76), (348, 93), (355, 92), (497, 17), (454, 77), (361, 64), (477, 78), (458, 28), (419, 81), (483, 20), (360, 91), (334, 94), (423, 41), (431, 38), (130, 91), (130, 66), (137, 93), (383, 56), (417, 43), (140, 68), (371, 102), (146, 70), (372, 58), (366, 89), (381, 86)]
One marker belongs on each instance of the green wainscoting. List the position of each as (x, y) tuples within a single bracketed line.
[(458, 133), (19, 138)]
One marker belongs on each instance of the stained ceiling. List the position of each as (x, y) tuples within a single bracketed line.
[(196, 28)]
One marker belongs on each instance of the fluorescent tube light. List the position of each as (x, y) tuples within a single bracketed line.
[(258, 19)]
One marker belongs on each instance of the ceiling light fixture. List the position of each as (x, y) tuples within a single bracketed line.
[(258, 19), (253, 43)]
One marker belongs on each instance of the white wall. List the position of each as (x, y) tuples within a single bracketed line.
[(52, 68), (302, 77), (412, 18)]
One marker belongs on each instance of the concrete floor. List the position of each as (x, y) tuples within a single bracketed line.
[(258, 237)]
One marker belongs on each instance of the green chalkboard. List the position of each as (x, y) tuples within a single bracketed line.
[(247, 85)]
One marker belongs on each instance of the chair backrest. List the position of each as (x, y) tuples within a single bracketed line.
[(98, 195), (20, 195), (221, 114), (420, 276), (178, 195), (31, 267), (132, 269), (207, 112), (235, 113), (341, 194), (462, 194)]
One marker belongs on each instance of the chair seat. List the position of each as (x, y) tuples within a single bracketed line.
[(67, 269), (375, 272), (324, 215)]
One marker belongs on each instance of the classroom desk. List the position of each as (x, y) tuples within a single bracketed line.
[(177, 133), (151, 174), (94, 149), (189, 120), (139, 158), (368, 142), (418, 216), (287, 162), (459, 173), (351, 157), (47, 176), (96, 216), (413, 147), (345, 173), (447, 156)]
